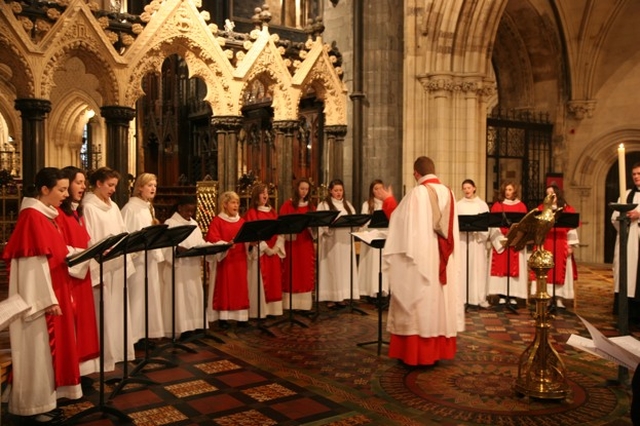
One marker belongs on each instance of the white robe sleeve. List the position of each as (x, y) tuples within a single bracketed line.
[(30, 278)]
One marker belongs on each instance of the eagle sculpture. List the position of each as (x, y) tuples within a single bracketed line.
[(534, 226)]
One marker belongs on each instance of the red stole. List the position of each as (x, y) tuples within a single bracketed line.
[(445, 245)]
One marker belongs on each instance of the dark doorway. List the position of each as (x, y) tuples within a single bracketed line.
[(611, 195)]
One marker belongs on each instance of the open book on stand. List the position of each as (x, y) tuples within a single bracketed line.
[(623, 350)]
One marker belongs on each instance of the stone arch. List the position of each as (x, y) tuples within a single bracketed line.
[(284, 107), (200, 62), (94, 64), (588, 180), (20, 75)]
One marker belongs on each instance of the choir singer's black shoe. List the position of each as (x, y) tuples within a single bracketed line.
[(52, 418)]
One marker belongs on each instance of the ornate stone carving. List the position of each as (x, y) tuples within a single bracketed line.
[(118, 114), (227, 123), (582, 108)]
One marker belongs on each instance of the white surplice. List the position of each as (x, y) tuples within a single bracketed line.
[(137, 215), (103, 220), (420, 304), (335, 257), (632, 249), (189, 302), (478, 253), (369, 264), (33, 389)]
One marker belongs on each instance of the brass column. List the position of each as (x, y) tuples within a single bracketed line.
[(227, 128), (541, 372), (33, 112), (117, 119)]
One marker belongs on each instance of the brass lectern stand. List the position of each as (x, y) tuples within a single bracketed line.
[(541, 372)]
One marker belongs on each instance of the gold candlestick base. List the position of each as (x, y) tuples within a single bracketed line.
[(541, 372)]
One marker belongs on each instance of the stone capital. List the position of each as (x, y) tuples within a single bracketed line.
[(337, 130), (582, 108), (117, 114), (227, 123), (33, 108)]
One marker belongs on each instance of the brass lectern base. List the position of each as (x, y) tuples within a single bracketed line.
[(542, 390)]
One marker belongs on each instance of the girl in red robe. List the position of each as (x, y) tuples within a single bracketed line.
[(508, 268), (43, 342), (71, 222), (270, 253), (229, 286), (299, 266)]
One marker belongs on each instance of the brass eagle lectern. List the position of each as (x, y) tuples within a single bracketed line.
[(541, 372)]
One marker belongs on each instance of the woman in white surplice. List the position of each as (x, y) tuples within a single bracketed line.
[(471, 204), (369, 265), (335, 254), (189, 303), (138, 214), (103, 219)]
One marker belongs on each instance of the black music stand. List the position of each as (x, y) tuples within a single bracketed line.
[(469, 224), (170, 237), (564, 220), (204, 251), (291, 224), (318, 219), (378, 220), (505, 220), (254, 232), (134, 242), (97, 252), (351, 221)]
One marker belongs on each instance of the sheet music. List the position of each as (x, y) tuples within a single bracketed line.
[(623, 350), (11, 309), (371, 235)]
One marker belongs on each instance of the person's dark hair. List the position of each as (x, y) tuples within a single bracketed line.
[(469, 181), (70, 172), (503, 187), (344, 196), (635, 165), (295, 198), (372, 199), (185, 200), (102, 174), (560, 200), (424, 166), (255, 194), (46, 177)]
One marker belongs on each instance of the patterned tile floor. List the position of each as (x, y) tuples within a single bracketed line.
[(320, 376)]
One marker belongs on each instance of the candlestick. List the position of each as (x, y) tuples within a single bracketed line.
[(622, 171)]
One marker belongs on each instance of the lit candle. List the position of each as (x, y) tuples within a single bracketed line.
[(623, 174)]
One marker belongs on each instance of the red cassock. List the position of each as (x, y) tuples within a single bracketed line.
[(556, 243), (301, 254), (499, 260), (231, 292), (36, 235), (75, 235), (270, 266)]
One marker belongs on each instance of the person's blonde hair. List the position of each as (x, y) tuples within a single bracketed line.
[(141, 181), (225, 197)]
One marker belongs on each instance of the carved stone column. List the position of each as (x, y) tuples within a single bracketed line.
[(333, 156), (33, 112), (227, 138), (117, 119), (284, 163)]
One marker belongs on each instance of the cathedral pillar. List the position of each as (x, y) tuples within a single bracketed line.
[(226, 129), (33, 112), (117, 119), (333, 153), (284, 162)]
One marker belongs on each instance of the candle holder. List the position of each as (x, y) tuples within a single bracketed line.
[(623, 296)]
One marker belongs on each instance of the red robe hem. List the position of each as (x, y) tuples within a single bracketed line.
[(416, 350)]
